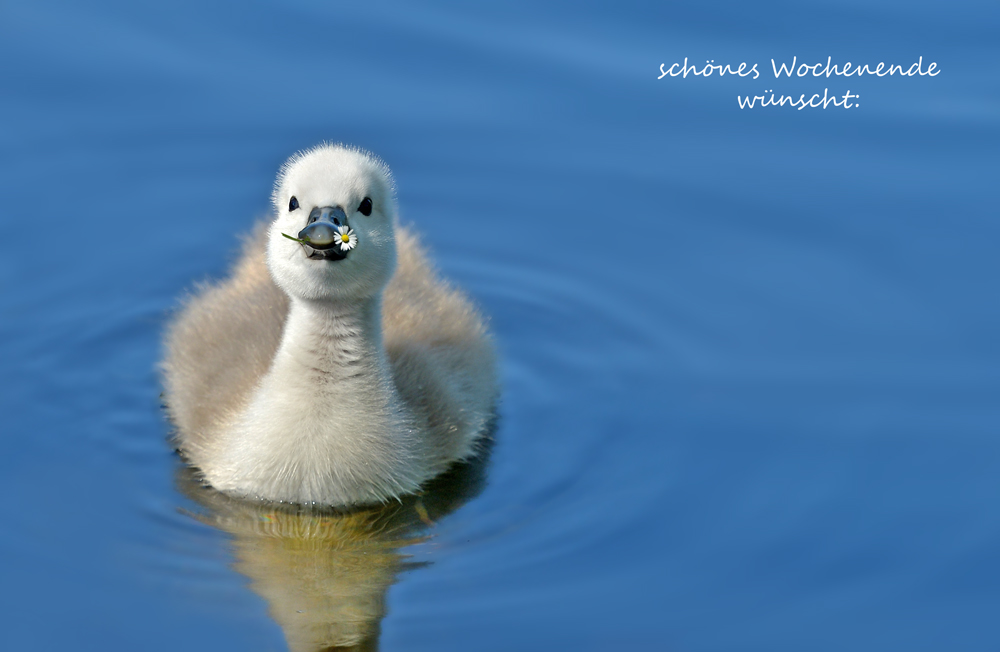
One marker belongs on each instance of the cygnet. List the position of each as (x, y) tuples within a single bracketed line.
[(333, 366)]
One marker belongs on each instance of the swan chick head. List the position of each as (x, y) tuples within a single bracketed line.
[(332, 237)]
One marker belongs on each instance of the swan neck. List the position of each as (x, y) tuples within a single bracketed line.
[(333, 335)]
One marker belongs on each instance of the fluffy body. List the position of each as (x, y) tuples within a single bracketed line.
[(335, 382)]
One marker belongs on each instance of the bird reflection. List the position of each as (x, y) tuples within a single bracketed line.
[(323, 572)]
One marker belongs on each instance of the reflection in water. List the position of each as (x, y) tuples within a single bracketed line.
[(324, 572)]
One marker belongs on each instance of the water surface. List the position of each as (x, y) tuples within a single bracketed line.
[(749, 359)]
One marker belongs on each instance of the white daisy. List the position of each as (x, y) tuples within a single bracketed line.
[(347, 239)]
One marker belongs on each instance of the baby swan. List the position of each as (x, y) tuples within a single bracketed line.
[(333, 366)]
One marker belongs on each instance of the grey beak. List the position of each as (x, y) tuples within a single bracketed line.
[(321, 233)]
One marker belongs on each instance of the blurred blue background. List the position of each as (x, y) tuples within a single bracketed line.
[(750, 358)]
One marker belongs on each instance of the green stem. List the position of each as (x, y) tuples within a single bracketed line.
[(305, 240)]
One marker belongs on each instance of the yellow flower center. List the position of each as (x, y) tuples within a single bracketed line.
[(345, 238)]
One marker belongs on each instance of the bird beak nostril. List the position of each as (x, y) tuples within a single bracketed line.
[(330, 214)]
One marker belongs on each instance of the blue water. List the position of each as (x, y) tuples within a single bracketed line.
[(750, 358)]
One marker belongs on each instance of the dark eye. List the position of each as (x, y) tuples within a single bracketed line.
[(366, 206), (293, 204)]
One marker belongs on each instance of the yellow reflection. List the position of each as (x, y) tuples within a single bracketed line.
[(324, 572)]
